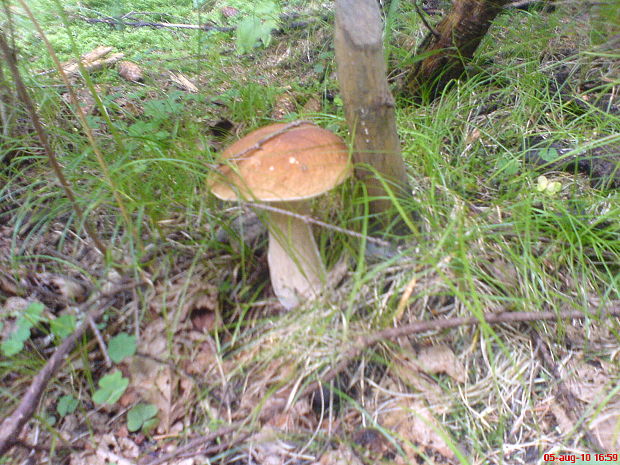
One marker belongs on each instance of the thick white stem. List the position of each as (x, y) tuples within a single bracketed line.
[(295, 265)]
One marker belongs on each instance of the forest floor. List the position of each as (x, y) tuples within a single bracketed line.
[(192, 360)]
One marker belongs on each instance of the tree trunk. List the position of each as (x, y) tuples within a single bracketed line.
[(454, 39), (368, 102)]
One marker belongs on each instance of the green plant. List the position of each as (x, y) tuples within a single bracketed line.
[(111, 388), (256, 28), (62, 326), (142, 416), (14, 343), (66, 405), (121, 346)]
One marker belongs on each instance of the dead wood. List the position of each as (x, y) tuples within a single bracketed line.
[(452, 41), (365, 342), (11, 427), (196, 446), (368, 102), (155, 24)]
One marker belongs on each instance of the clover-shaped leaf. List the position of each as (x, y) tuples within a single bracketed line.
[(548, 187), (142, 416), (14, 343), (111, 388), (63, 325), (121, 346), (66, 404)]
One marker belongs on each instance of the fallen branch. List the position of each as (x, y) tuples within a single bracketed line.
[(364, 342), (194, 447), (155, 24), (11, 427)]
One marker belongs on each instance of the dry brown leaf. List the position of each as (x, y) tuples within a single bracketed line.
[(84, 99), (411, 368), (267, 449), (561, 417), (341, 456), (14, 305), (130, 71), (285, 104), (408, 373), (229, 11), (440, 359), (587, 381), (415, 426), (606, 426), (313, 105), (184, 83), (372, 444), (591, 382), (65, 286), (155, 382), (109, 450)]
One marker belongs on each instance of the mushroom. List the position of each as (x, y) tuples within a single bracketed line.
[(285, 165)]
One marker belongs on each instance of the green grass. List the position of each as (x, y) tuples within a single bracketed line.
[(487, 240)]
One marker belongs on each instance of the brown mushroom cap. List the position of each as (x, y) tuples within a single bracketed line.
[(282, 162)]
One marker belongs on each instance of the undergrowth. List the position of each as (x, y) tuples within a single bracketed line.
[(490, 236)]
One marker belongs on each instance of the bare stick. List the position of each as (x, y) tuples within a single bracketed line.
[(310, 220), (11, 427), (431, 29), (195, 444), (364, 342), (114, 22), (100, 341)]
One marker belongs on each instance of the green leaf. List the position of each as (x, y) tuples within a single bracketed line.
[(548, 154), (66, 404), (548, 187), (121, 346), (248, 33), (49, 419), (111, 388), (63, 326), (14, 343), (264, 31), (542, 183), (141, 416)]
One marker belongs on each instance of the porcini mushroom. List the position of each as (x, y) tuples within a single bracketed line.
[(285, 164)]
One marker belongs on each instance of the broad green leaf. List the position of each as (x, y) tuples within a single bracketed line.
[(66, 404), (111, 388), (141, 416), (14, 343), (548, 154), (121, 346), (63, 326), (248, 33)]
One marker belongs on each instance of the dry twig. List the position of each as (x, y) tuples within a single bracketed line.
[(11, 427), (195, 446)]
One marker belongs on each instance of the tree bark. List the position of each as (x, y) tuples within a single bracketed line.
[(368, 102), (453, 41)]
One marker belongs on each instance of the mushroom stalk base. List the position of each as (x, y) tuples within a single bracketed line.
[(295, 265)]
